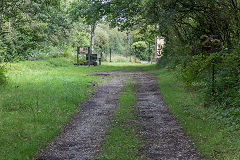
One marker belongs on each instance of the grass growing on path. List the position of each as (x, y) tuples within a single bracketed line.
[(122, 141), (212, 138), (38, 100)]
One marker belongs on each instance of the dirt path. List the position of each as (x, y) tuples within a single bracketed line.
[(82, 137), (164, 137)]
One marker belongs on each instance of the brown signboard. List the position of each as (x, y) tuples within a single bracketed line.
[(82, 50)]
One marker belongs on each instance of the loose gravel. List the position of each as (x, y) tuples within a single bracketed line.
[(163, 136)]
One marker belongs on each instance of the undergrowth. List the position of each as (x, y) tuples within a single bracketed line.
[(213, 136)]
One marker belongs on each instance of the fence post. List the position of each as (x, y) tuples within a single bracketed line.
[(213, 78), (110, 54), (77, 55), (130, 56)]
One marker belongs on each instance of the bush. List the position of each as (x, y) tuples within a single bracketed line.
[(196, 70), (141, 47)]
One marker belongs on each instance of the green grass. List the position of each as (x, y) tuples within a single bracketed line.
[(213, 139), (122, 141), (121, 59), (40, 97), (38, 100)]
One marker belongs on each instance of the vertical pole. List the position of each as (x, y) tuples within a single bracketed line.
[(77, 54), (151, 59), (110, 54), (149, 50), (89, 56), (100, 60), (130, 56), (135, 54)]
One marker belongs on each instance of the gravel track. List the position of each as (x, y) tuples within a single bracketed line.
[(163, 135), (81, 139)]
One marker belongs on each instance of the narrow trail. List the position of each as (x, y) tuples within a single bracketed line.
[(163, 135), (81, 139)]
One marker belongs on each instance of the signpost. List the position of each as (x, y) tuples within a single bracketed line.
[(90, 58), (81, 50), (159, 44)]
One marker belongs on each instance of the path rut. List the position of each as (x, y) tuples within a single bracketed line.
[(164, 138)]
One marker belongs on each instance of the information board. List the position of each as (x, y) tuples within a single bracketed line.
[(82, 50)]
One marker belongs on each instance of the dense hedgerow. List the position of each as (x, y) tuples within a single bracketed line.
[(221, 92)]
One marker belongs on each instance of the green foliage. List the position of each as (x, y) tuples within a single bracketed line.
[(107, 37), (141, 49), (186, 22), (90, 10), (101, 38), (118, 41), (222, 92), (35, 26)]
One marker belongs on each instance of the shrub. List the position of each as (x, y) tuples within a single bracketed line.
[(141, 47)]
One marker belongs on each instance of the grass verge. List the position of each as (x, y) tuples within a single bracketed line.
[(121, 140), (38, 100), (213, 139)]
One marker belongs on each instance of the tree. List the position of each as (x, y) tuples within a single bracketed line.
[(102, 39), (91, 11), (22, 26), (182, 23), (140, 48)]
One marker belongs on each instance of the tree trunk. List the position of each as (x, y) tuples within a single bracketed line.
[(93, 27)]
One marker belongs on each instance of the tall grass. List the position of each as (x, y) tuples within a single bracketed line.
[(38, 100), (2, 75)]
